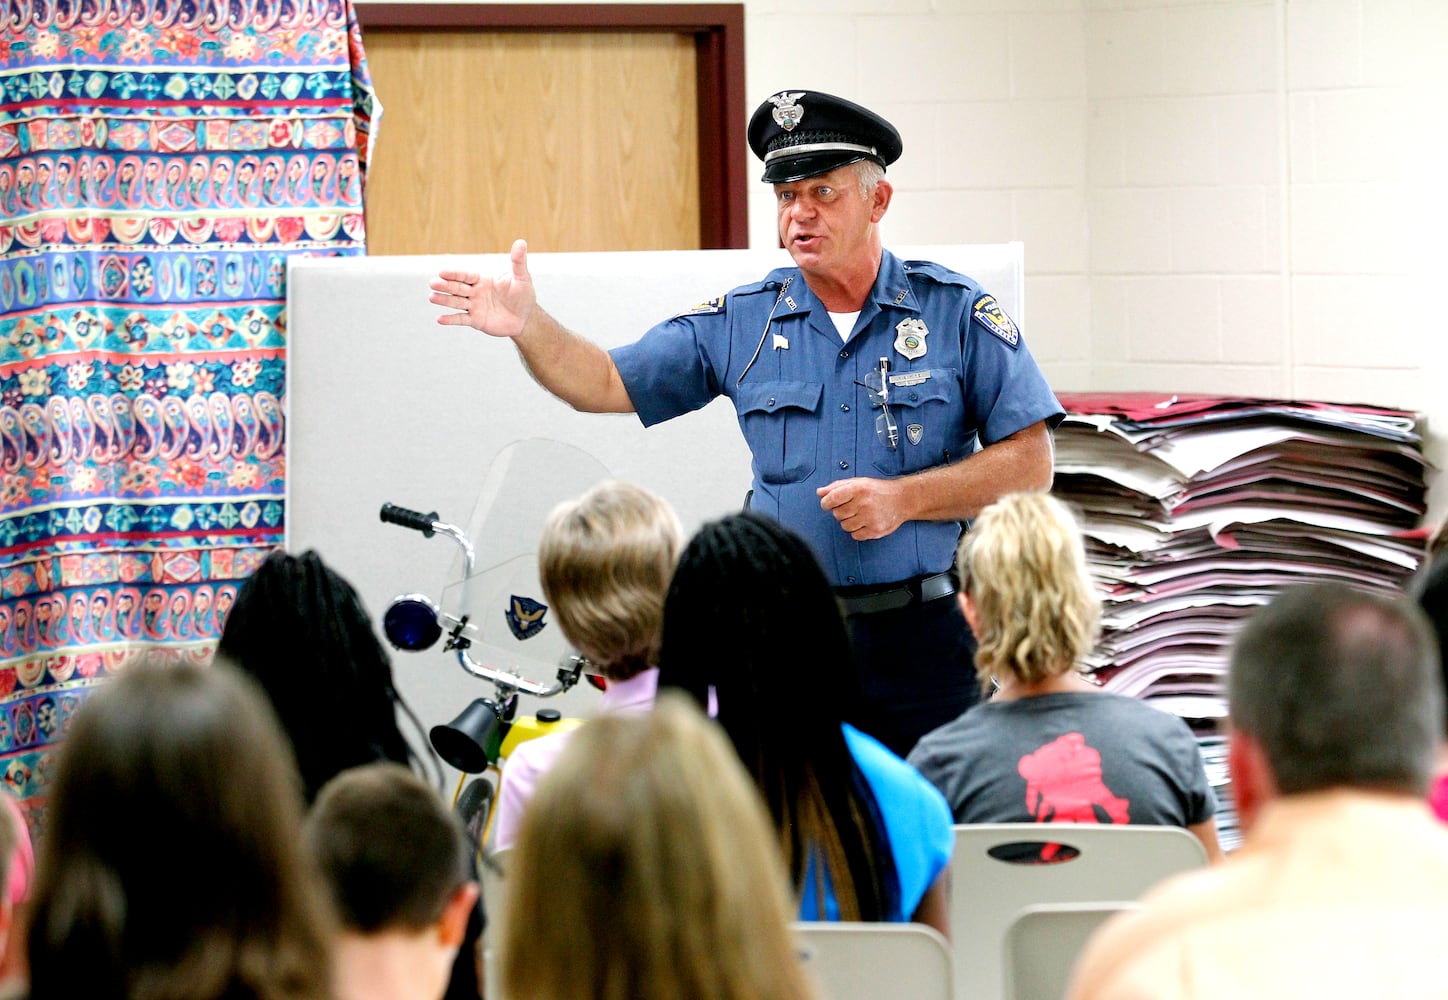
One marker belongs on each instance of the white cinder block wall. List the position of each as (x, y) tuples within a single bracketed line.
[(1235, 196)]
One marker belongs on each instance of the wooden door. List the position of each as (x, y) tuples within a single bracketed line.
[(576, 141)]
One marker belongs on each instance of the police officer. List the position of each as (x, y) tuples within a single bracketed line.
[(884, 401)]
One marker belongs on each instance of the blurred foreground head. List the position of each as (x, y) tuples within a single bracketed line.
[(171, 865), (646, 870)]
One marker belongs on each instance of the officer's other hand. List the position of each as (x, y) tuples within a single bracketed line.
[(497, 306), (866, 508)]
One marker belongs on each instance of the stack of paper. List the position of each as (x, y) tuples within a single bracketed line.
[(1197, 510)]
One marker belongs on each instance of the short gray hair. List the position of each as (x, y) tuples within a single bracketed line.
[(868, 173), (1340, 688)]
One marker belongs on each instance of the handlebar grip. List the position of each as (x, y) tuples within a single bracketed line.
[(393, 514)]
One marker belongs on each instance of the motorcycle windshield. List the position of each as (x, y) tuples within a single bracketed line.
[(509, 624)]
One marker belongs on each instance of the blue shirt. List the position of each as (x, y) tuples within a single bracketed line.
[(917, 823), (960, 375)]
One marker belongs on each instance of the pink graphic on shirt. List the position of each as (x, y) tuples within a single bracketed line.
[(1063, 784)]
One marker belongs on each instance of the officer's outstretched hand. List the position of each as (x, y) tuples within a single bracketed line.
[(498, 306), (866, 508)]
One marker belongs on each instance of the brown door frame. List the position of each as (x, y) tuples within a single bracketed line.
[(718, 31)]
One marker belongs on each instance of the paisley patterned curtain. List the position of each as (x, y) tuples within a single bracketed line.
[(160, 160)]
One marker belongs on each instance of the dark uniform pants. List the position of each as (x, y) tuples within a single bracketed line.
[(917, 670)]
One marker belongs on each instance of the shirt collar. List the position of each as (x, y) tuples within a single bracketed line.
[(892, 286), (636, 692), (892, 289)]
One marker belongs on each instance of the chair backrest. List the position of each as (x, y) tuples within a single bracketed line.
[(1090, 863), (875, 961), (491, 870), (1042, 944)]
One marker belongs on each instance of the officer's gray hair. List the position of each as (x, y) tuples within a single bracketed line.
[(868, 173)]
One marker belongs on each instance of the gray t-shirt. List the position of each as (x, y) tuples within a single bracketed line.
[(1074, 757)]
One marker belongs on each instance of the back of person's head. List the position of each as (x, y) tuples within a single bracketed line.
[(391, 851), (750, 614), (1023, 565), (751, 617), (1339, 688), (604, 561), (171, 864), (1430, 589), (302, 631), (645, 870)]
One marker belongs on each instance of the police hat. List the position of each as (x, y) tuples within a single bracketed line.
[(802, 133)]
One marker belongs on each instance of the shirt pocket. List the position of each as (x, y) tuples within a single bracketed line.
[(780, 421), (928, 419)]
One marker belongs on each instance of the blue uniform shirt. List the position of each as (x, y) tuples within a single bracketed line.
[(966, 376)]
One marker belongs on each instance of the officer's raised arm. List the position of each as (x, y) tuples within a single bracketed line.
[(574, 369)]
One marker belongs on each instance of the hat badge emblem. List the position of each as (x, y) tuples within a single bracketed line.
[(787, 113)]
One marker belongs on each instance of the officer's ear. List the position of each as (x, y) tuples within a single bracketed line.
[(880, 199)]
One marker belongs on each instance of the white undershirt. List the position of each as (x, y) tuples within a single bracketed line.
[(845, 322)]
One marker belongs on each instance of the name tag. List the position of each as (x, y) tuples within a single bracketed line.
[(907, 379)]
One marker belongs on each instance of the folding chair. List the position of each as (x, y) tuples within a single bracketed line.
[(1092, 863), (1042, 944), (491, 869), (875, 961)]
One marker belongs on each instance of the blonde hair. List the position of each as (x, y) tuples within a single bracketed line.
[(1023, 564), (646, 870), (605, 560)]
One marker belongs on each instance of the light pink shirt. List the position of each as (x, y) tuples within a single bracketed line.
[(22, 862), (531, 760)]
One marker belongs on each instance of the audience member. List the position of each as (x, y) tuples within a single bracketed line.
[(20, 868), (604, 561), (171, 864), (12, 834), (751, 618), (302, 631), (401, 875), (1050, 746), (645, 870), (1430, 588), (18, 874), (1437, 542), (1341, 886)]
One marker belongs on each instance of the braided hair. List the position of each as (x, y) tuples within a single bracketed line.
[(750, 615), (302, 631)]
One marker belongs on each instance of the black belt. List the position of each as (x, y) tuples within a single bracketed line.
[(892, 596)]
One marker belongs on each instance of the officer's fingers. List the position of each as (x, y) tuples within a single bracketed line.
[(454, 281), (519, 256), (868, 532), (835, 494)]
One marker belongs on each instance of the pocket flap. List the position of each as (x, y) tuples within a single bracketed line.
[(768, 397), (940, 384)]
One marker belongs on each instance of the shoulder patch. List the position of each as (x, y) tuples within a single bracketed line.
[(708, 308), (988, 313)]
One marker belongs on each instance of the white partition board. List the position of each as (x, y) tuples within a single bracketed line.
[(386, 405)]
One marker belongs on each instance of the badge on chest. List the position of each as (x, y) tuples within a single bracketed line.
[(910, 336)]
